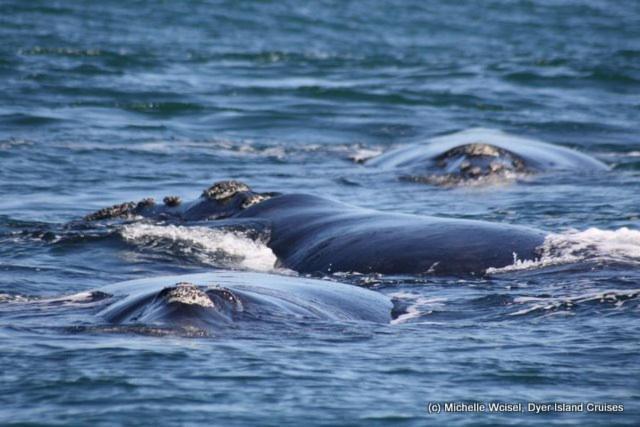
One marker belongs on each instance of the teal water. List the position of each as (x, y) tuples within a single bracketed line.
[(113, 101)]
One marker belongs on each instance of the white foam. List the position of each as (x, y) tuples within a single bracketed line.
[(621, 245), (10, 298), (616, 297), (81, 297), (214, 247), (361, 155), (13, 142), (418, 306)]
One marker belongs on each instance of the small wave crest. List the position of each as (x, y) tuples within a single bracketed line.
[(219, 248), (573, 246), (415, 306), (14, 298), (615, 298)]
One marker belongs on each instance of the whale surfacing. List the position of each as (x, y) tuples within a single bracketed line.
[(311, 234), (207, 303), (211, 299), (480, 156)]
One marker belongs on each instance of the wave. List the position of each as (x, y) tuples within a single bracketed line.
[(162, 108), (415, 306), (218, 248), (24, 119), (61, 51), (566, 304), (78, 298), (244, 149), (573, 246), (411, 307), (10, 143)]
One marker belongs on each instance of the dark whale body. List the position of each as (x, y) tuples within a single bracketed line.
[(481, 155), (310, 234), (211, 299), (199, 303)]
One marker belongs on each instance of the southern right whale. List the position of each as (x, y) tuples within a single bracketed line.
[(480, 155), (311, 234), (198, 304)]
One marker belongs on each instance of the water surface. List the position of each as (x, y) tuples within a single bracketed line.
[(104, 103)]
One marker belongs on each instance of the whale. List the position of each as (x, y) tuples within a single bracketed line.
[(315, 235), (310, 234), (204, 303), (480, 155)]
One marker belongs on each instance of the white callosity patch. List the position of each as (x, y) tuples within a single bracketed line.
[(186, 293), (621, 245), (504, 177), (254, 199), (225, 189), (213, 247)]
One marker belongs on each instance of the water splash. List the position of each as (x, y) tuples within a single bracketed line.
[(615, 298), (416, 306), (212, 247), (573, 246)]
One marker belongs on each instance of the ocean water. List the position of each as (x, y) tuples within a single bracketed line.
[(105, 102)]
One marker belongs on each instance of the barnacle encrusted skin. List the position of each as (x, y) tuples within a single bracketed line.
[(475, 163), (504, 159), (477, 149), (115, 211), (254, 199), (122, 210), (211, 296), (172, 201), (225, 189), (186, 293), (146, 203), (225, 295)]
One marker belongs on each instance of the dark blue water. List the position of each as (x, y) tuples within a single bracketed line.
[(111, 101)]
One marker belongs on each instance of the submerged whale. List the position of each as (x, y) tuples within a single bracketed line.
[(311, 234), (198, 303), (480, 155)]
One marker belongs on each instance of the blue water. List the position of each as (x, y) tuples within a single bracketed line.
[(111, 101)]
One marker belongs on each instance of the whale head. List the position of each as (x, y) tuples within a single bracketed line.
[(482, 156), (224, 199), (183, 305), (476, 160)]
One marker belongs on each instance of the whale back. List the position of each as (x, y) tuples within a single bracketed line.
[(310, 234), (315, 235)]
